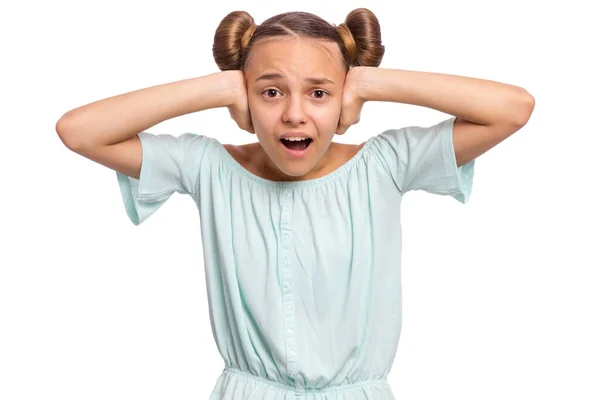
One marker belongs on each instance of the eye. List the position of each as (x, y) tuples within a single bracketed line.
[(323, 93), (271, 91)]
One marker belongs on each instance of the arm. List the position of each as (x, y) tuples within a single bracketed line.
[(487, 112), (106, 131), (116, 119), (479, 101)]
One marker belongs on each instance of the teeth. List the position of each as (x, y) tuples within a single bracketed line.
[(295, 138)]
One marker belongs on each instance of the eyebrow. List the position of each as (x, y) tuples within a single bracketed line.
[(313, 80)]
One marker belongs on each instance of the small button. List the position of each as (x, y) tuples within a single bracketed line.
[(287, 284), (287, 260), (293, 374), (289, 308), (292, 352), (290, 330), (286, 192), (286, 237), (286, 214)]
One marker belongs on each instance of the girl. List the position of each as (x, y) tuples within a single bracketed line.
[(301, 235)]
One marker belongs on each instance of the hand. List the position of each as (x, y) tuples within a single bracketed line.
[(238, 108), (352, 102)]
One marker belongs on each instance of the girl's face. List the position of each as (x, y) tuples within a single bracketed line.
[(295, 85)]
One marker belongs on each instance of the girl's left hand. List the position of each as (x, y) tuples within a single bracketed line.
[(352, 102)]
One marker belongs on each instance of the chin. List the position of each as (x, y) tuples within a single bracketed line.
[(295, 173)]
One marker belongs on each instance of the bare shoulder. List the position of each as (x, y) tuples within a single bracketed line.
[(350, 150), (234, 150), (241, 153)]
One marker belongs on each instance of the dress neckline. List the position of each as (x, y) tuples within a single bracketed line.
[(295, 184)]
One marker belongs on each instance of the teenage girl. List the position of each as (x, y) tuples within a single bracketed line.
[(301, 235)]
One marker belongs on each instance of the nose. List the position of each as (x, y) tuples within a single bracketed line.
[(294, 112)]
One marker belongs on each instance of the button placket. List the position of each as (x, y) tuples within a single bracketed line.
[(287, 281)]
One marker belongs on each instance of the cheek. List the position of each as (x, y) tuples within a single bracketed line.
[(260, 116), (330, 116), (334, 108), (265, 120)]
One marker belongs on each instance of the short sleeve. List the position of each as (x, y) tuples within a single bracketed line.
[(169, 164), (423, 158)]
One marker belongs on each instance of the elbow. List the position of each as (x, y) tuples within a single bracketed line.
[(64, 134), (526, 107), (61, 126)]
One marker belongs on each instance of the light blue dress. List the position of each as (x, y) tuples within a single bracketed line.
[(303, 277)]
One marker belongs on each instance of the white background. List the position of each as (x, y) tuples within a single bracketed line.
[(505, 306)]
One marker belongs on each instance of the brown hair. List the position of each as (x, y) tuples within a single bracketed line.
[(359, 36)]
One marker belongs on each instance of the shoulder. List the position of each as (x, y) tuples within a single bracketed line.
[(241, 153), (355, 148), (346, 151)]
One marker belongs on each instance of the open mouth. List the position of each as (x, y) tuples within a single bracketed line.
[(296, 145)]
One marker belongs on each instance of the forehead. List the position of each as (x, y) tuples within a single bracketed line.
[(296, 58)]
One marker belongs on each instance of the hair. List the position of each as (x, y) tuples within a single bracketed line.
[(358, 37)]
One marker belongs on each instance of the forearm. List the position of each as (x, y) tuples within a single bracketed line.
[(477, 100), (115, 119)]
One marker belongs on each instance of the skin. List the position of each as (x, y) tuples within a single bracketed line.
[(280, 105)]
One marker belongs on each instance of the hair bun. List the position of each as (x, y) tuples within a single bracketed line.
[(364, 48), (231, 39)]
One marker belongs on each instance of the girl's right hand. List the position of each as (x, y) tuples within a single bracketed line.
[(238, 108)]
